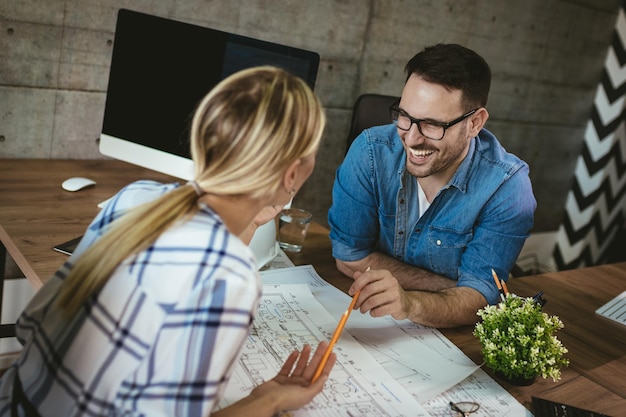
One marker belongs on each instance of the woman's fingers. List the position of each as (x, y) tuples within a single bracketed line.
[(288, 365), (302, 361), (298, 365), (315, 360)]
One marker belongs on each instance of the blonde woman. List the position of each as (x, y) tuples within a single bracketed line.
[(148, 316)]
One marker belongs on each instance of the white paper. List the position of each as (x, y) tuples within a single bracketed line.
[(421, 359), (290, 317)]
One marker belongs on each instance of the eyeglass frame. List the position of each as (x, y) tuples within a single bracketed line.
[(455, 406), (413, 120)]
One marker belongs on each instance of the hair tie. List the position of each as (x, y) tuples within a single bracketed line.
[(197, 188)]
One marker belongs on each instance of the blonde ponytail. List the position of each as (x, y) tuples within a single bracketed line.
[(244, 135), (127, 236)]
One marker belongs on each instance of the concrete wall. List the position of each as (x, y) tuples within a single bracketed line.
[(546, 57)]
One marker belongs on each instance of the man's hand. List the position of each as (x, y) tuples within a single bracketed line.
[(381, 294)]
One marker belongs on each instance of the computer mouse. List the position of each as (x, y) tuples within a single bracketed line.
[(77, 183)]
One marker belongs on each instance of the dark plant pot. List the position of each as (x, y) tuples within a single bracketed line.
[(516, 380)]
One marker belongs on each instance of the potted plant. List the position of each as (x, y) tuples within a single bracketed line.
[(518, 342)]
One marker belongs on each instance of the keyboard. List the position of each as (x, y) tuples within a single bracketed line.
[(547, 408)]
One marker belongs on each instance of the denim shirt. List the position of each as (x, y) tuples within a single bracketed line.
[(478, 221)]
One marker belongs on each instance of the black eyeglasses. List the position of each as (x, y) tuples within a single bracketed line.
[(463, 408), (432, 129)]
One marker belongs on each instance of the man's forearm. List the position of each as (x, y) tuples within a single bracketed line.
[(425, 298), (410, 277), (447, 308)]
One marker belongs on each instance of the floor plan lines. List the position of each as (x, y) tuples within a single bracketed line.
[(289, 317), (420, 359)]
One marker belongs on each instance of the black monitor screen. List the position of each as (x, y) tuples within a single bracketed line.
[(162, 68)]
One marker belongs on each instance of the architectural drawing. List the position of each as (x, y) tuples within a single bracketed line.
[(288, 318), (421, 359), (494, 400)]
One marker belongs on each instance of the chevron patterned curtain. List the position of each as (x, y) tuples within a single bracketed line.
[(596, 204)]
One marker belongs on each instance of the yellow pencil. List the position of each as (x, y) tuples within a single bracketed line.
[(333, 340), (336, 334), (497, 280), (505, 289)]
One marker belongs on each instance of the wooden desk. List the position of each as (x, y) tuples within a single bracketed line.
[(36, 214), (596, 377)]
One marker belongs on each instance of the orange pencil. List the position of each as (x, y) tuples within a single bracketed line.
[(497, 280), (336, 334), (504, 288)]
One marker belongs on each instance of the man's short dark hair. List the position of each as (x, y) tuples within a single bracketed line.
[(456, 68)]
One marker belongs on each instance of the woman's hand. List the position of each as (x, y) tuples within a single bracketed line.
[(266, 214), (289, 390), (292, 386)]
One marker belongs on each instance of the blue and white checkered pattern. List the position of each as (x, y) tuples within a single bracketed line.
[(158, 340)]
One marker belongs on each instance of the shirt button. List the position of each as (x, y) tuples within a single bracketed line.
[(438, 242), (402, 201), (401, 232)]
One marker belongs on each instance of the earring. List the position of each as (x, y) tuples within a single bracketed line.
[(292, 192)]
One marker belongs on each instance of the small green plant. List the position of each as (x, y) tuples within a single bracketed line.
[(518, 340)]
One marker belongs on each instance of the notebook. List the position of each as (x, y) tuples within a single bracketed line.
[(615, 309)]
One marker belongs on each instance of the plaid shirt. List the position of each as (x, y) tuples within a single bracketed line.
[(159, 339)]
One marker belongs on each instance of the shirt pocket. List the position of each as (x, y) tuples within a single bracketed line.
[(445, 249), (387, 222)]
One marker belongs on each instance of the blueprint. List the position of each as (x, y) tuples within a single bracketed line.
[(424, 361), (421, 359), (288, 318), (479, 387)]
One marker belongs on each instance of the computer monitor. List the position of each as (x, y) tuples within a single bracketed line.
[(160, 70)]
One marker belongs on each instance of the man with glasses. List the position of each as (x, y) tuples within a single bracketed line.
[(432, 202)]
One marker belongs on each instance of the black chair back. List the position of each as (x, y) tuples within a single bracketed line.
[(369, 110)]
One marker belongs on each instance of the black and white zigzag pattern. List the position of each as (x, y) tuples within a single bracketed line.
[(596, 205)]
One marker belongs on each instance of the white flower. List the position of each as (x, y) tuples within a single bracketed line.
[(517, 339)]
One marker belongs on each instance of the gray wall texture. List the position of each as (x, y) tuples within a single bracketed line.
[(546, 57)]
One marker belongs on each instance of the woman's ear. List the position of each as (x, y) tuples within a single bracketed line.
[(290, 177), (477, 121)]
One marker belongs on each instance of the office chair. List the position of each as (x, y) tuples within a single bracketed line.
[(369, 110)]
